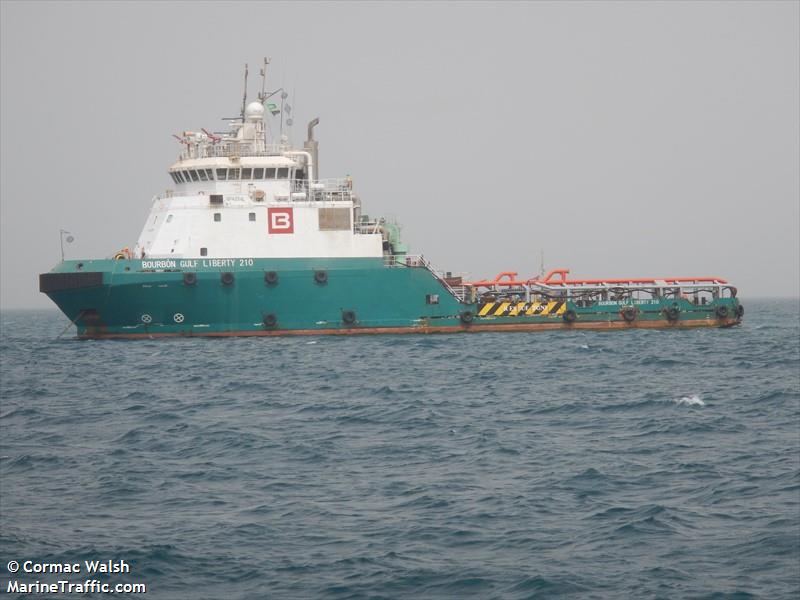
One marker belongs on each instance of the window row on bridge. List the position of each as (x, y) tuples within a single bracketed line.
[(237, 174)]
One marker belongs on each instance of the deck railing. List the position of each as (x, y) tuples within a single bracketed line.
[(233, 149), (417, 261), (324, 190)]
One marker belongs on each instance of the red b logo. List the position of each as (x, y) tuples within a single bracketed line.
[(280, 220)]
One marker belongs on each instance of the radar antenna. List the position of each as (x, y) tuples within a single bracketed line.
[(244, 96)]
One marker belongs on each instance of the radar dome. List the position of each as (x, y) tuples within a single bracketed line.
[(254, 111)]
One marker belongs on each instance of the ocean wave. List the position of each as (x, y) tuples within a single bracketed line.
[(691, 400)]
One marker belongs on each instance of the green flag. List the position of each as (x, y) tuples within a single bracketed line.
[(273, 108)]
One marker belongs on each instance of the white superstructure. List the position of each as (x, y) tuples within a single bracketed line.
[(238, 195)]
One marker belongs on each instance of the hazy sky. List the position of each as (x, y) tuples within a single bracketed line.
[(622, 139)]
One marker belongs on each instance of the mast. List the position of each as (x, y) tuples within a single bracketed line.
[(263, 95), (244, 96)]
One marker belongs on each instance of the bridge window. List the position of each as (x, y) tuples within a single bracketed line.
[(222, 174), (269, 173), (247, 173), (179, 175), (193, 173), (203, 251), (217, 217), (252, 216), (210, 173), (258, 173), (202, 174), (169, 218), (300, 174), (283, 173), (174, 177), (432, 299), (186, 177), (233, 173)]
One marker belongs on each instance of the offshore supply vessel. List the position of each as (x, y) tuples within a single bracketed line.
[(250, 241)]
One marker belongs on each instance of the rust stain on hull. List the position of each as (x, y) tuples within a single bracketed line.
[(471, 328)]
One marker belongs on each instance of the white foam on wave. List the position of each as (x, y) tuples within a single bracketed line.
[(585, 346), (693, 400), (311, 342)]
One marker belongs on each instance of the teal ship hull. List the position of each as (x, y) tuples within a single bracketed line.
[(264, 297)]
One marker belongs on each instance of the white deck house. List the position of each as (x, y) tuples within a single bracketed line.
[(238, 196)]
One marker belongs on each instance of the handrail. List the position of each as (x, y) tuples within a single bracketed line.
[(419, 261), (228, 149), (558, 277), (325, 190)]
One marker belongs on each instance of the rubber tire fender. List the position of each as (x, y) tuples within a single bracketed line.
[(271, 277), (321, 276), (721, 312), (466, 317), (629, 313), (348, 316), (270, 320), (569, 316), (226, 278), (189, 278), (739, 311), (671, 313)]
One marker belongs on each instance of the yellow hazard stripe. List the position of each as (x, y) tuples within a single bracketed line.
[(548, 308), (502, 309), (485, 309), (516, 309), (552, 308)]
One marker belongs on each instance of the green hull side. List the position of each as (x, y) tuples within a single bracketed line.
[(133, 302), (378, 296)]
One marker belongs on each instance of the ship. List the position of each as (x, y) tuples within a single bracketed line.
[(251, 241)]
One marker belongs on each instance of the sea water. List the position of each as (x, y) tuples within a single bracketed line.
[(625, 464)]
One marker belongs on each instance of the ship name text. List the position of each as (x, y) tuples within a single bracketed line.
[(219, 263)]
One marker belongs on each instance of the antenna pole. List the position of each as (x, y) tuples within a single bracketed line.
[(282, 101), (263, 95), (541, 263), (244, 96), (61, 233)]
